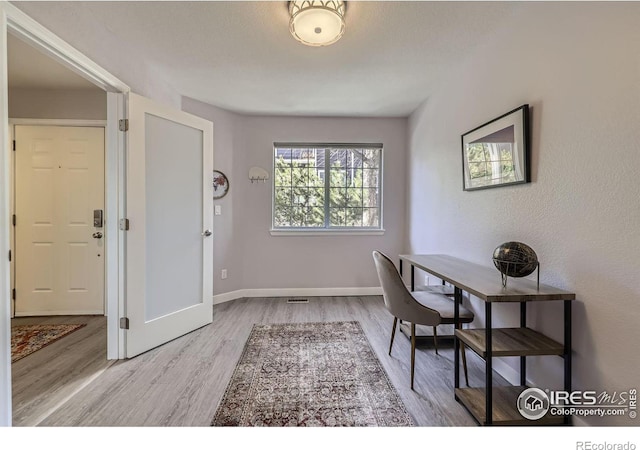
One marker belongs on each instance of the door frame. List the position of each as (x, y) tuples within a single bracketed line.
[(25, 28), (13, 122)]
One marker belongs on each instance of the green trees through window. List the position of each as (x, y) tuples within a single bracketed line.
[(327, 186), (491, 161)]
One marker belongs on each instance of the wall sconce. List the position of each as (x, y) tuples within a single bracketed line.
[(258, 174)]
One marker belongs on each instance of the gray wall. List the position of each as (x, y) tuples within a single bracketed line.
[(317, 261), (243, 245), (57, 104), (580, 74), (227, 237)]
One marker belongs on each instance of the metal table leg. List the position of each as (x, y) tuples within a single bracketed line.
[(456, 342), (488, 365), (523, 359), (567, 351)]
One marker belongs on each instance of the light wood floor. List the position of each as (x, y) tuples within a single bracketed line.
[(45, 379), (182, 382)]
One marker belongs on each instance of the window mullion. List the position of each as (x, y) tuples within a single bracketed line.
[(291, 188), (362, 190), (379, 187), (327, 186)]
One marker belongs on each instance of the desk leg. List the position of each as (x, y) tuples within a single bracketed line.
[(567, 351), (413, 278), (488, 366), (523, 359), (394, 324), (456, 343)]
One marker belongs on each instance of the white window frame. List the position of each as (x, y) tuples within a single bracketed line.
[(334, 230)]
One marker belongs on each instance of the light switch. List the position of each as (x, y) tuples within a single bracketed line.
[(217, 210)]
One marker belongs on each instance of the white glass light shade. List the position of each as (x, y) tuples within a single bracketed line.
[(317, 22)]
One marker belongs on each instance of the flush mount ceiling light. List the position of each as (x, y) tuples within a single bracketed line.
[(317, 22)]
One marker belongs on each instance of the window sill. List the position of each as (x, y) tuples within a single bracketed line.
[(324, 232)]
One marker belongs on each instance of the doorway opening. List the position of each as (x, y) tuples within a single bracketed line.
[(140, 314), (15, 24), (57, 127)]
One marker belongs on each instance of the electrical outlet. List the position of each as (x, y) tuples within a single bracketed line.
[(426, 280), (223, 274), (217, 210)]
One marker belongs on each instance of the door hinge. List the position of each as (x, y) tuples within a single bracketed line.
[(13, 294), (14, 145), (13, 220), (9, 255), (124, 224), (124, 323), (123, 124)]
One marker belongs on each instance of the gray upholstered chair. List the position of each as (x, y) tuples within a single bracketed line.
[(417, 308)]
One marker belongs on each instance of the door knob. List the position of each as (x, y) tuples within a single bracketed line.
[(97, 235), (207, 233)]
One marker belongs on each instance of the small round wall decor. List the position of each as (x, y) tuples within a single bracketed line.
[(220, 184)]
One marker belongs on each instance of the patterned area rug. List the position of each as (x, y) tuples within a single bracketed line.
[(26, 339), (310, 374)]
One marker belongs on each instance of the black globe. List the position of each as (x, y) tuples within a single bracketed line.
[(515, 259)]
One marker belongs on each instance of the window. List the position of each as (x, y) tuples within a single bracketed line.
[(327, 187)]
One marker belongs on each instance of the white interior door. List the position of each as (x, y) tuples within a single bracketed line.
[(170, 209), (59, 253)]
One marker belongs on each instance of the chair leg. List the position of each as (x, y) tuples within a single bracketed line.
[(464, 362), (435, 339), (413, 351), (393, 333)]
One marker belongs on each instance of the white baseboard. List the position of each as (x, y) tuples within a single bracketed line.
[(228, 296), (296, 292), (61, 313)]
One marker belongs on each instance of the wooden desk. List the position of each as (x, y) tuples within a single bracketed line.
[(484, 282)]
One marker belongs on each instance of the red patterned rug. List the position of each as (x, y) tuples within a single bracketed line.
[(26, 339), (310, 374)]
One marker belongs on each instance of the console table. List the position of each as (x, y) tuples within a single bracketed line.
[(496, 405)]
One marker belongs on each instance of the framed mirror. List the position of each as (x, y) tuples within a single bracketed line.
[(497, 153)]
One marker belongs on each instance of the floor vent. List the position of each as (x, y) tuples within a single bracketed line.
[(298, 300)]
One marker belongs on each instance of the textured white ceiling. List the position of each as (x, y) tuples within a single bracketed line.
[(240, 56)]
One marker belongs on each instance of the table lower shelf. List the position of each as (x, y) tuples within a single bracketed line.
[(505, 410), (511, 342)]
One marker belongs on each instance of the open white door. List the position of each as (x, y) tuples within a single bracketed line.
[(170, 211)]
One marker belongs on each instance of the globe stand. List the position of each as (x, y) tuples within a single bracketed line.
[(504, 276)]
